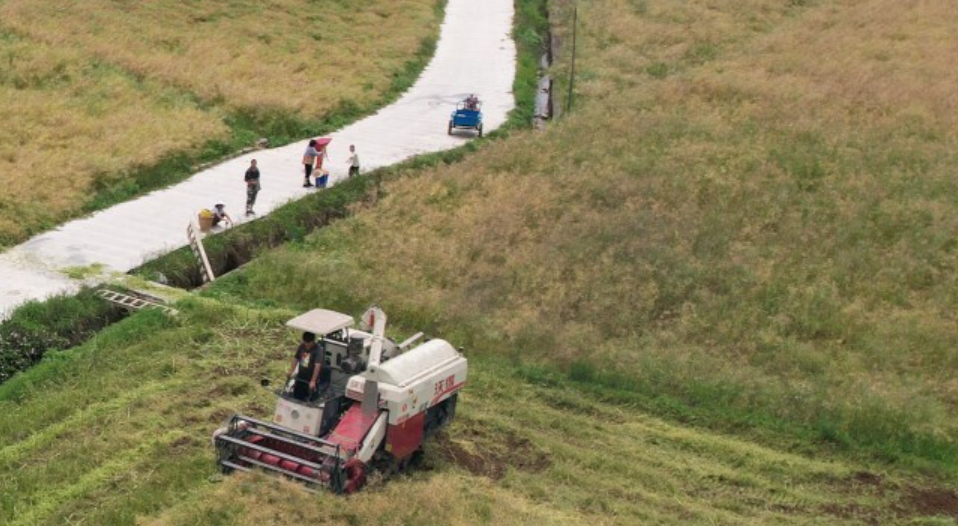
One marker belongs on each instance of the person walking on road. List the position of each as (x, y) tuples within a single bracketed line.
[(353, 161), (309, 160), (252, 186)]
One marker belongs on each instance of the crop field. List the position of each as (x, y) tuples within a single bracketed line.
[(720, 291), (117, 432), (740, 221), (103, 94)]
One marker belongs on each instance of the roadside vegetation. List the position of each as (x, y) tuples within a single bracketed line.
[(104, 101), (747, 222), (57, 323)]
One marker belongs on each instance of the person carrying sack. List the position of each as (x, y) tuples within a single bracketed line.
[(309, 160)]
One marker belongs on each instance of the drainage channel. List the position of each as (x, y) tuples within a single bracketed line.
[(228, 250), (58, 323), (545, 110)]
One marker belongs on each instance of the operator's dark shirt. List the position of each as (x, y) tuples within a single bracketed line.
[(252, 175), (309, 359)]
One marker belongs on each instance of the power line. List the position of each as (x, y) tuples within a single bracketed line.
[(575, 25)]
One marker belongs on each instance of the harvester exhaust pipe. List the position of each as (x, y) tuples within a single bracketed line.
[(375, 319), (370, 403)]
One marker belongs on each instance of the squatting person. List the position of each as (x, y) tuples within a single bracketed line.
[(220, 215)]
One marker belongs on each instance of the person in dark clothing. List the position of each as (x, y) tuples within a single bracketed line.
[(252, 186), (309, 159), (307, 363), (472, 102)]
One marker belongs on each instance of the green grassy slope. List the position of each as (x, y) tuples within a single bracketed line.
[(749, 220), (117, 432)]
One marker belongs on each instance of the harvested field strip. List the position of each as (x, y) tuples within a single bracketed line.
[(643, 468), (43, 438), (517, 455), (443, 497), (106, 473)]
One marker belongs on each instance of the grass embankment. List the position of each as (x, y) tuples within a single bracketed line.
[(117, 433), (748, 222), (106, 101), (54, 324)]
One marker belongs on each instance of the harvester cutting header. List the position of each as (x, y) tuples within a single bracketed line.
[(374, 404)]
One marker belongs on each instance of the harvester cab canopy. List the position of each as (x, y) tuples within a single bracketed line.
[(321, 322), (346, 348)]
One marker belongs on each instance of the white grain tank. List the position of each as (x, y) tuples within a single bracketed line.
[(415, 381)]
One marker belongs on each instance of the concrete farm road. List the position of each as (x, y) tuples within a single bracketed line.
[(475, 54)]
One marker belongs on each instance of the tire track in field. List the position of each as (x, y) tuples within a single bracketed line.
[(50, 433)]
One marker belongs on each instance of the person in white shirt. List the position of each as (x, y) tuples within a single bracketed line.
[(353, 161), (220, 215)]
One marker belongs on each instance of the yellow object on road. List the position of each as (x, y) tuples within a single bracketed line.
[(206, 220)]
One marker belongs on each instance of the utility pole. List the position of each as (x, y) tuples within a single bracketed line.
[(575, 24)]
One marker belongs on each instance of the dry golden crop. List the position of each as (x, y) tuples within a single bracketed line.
[(289, 55), (92, 92)]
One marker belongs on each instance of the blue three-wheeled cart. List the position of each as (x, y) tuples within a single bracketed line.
[(468, 116)]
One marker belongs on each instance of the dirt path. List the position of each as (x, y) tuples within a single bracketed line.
[(475, 54)]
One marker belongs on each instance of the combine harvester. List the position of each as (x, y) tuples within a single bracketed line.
[(379, 403)]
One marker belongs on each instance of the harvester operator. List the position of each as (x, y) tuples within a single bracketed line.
[(307, 363)]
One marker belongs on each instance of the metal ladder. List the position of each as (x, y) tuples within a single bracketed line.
[(132, 302), (196, 245)]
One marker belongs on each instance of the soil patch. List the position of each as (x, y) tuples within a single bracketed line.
[(853, 511), (604, 414), (865, 478), (182, 443), (485, 455), (914, 502), (220, 416), (930, 502)]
